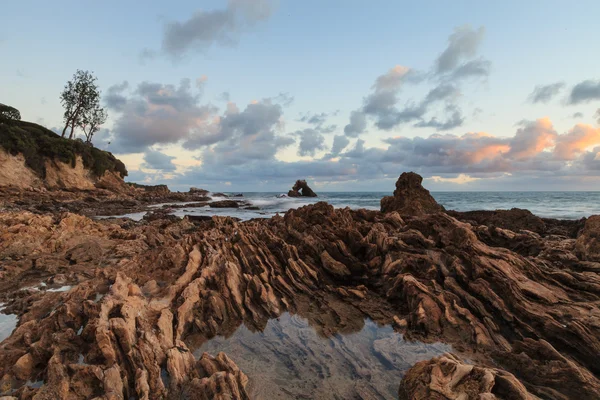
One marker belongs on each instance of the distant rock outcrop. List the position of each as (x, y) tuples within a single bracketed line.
[(224, 204), (195, 190), (410, 197), (301, 189)]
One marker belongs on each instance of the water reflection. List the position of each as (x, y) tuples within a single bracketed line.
[(8, 322), (289, 360)]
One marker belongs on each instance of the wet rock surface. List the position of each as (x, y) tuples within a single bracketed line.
[(290, 358), (116, 309)]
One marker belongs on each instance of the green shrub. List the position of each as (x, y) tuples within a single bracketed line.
[(8, 113), (38, 144)]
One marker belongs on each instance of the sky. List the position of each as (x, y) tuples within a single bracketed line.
[(250, 95)]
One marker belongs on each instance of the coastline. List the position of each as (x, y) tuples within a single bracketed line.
[(112, 303)]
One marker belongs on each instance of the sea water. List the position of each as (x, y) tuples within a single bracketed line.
[(289, 359), (560, 205)]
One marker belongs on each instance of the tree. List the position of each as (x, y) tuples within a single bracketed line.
[(8, 113), (80, 97), (91, 122)]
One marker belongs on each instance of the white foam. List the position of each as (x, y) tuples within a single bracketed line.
[(60, 289)]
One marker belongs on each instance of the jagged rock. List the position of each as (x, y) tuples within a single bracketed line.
[(198, 218), (135, 308), (448, 378), (301, 189), (515, 219), (198, 191), (410, 197), (225, 204), (587, 246)]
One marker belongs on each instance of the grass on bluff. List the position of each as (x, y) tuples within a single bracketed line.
[(38, 144)]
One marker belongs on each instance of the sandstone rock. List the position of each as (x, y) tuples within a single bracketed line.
[(14, 172), (301, 189), (134, 313), (24, 367), (587, 246), (448, 378), (410, 197)]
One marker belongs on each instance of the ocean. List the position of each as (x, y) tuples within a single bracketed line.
[(561, 205)]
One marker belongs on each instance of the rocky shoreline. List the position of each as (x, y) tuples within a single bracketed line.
[(516, 295)]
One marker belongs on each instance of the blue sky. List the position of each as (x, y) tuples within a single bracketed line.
[(295, 59)]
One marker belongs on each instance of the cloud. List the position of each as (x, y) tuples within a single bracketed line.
[(314, 119), (454, 65), (339, 143), (462, 44), (155, 113), (473, 69), (585, 91), (147, 55), (577, 115), (597, 115), (576, 141), (114, 97), (471, 152), (545, 93), (225, 96), (240, 137), (217, 27), (284, 98), (536, 151), (383, 106), (311, 141), (256, 119), (461, 179), (357, 125), (532, 138), (156, 160), (391, 80), (442, 92), (455, 120)]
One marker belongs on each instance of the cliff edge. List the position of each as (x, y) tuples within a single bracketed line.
[(32, 156)]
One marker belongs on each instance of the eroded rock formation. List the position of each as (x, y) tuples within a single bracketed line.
[(301, 189), (410, 197), (449, 378), (137, 298)]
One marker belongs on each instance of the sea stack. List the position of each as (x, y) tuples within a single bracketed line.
[(301, 189), (410, 197)]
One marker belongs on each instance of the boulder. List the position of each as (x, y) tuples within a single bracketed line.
[(198, 191), (301, 189), (448, 378), (587, 246), (410, 197), (224, 204)]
